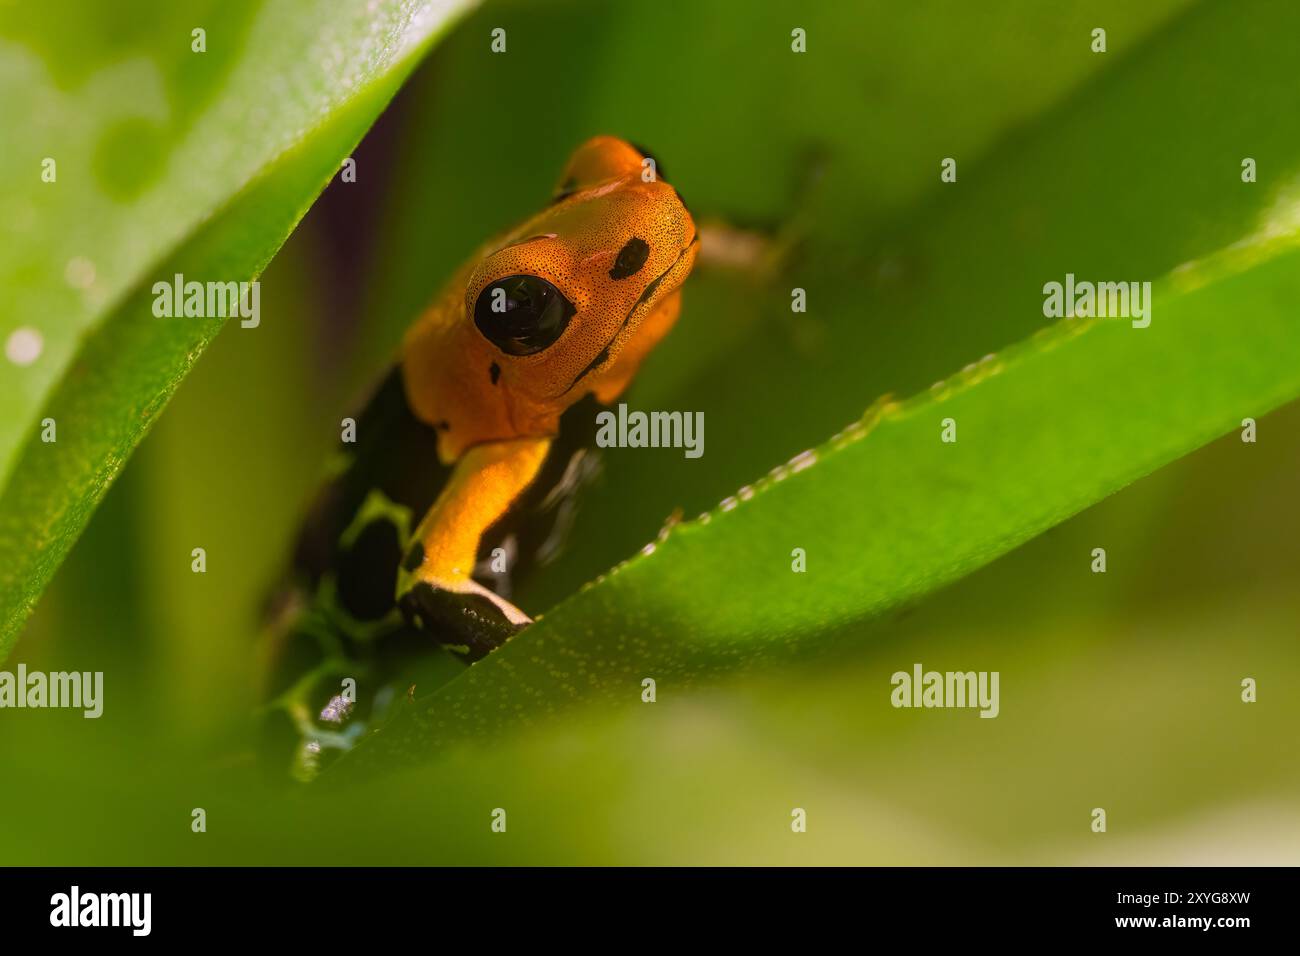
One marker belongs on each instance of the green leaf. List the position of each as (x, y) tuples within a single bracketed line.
[(166, 160)]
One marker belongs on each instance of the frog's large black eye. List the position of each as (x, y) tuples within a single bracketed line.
[(522, 314)]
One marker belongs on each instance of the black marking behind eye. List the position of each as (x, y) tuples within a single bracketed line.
[(630, 258), (443, 426), (495, 372), (651, 289)]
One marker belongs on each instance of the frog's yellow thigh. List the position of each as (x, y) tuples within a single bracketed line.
[(486, 480)]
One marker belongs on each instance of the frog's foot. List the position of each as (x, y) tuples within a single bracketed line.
[(766, 250), (463, 616)]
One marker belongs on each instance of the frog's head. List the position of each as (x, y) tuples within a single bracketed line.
[(568, 291)]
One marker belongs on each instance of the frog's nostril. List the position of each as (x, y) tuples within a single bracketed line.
[(630, 258)]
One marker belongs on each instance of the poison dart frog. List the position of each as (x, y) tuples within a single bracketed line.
[(476, 436)]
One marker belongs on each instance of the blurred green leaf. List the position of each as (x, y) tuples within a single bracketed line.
[(887, 512), (167, 161)]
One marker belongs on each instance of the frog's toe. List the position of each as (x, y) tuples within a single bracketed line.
[(470, 623)]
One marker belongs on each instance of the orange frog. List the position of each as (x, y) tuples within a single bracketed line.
[(567, 305), (466, 430)]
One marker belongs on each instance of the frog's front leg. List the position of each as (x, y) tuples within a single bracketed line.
[(434, 589)]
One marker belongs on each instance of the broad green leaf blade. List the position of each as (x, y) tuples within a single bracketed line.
[(238, 142), (887, 511)]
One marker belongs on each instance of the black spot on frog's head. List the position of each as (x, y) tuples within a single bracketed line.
[(494, 372), (630, 259)]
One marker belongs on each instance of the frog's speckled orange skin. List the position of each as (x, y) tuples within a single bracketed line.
[(449, 365), (496, 412)]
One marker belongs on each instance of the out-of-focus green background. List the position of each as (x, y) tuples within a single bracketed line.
[(1118, 690)]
